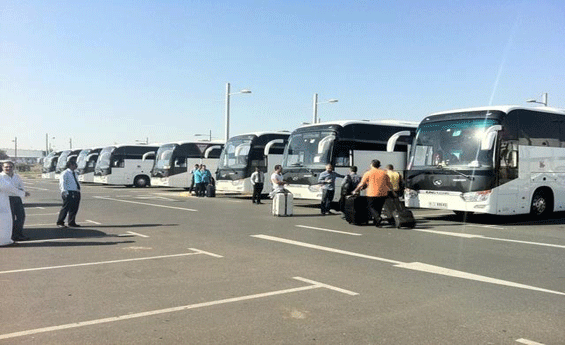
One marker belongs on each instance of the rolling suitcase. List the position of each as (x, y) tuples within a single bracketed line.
[(210, 191), (282, 204), (396, 213), (356, 210)]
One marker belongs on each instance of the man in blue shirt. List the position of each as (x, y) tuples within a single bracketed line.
[(327, 180)]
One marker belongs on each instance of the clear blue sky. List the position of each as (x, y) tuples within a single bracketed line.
[(102, 72)]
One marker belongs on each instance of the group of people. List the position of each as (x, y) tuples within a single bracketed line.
[(378, 183), (201, 178), (12, 212)]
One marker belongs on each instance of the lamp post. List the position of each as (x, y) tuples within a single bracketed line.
[(205, 135), (315, 106), (228, 94), (543, 99), (15, 148)]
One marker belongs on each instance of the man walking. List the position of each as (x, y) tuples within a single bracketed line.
[(70, 192), (378, 185), (327, 180), (257, 180), (16, 204)]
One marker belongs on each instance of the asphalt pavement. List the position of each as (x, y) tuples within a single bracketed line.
[(152, 266)]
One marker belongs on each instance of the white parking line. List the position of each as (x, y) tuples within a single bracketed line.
[(328, 230), (93, 222), (29, 187), (146, 204), (446, 233), (417, 266), (136, 234), (313, 285), (527, 342), (195, 252)]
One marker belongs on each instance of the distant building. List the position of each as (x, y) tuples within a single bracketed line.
[(25, 156)]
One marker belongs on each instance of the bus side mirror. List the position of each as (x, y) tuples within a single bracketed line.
[(487, 142)]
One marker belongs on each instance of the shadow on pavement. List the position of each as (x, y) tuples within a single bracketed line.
[(43, 204)]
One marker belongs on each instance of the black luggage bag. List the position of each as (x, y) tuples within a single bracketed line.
[(210, 190), (396, 213), (356, 210)]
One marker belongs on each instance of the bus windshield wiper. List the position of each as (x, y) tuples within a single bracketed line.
[(442, 167)]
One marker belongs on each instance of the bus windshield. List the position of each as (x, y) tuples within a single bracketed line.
[(163, 156), (81, 159), (62, 162), (48, 162), (104, 158), (452, 143), (309, 149), (235, 154)]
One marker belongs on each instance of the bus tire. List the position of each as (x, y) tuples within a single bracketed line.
[(141, 181), (542, 203)]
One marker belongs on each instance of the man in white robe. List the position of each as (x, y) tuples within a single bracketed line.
[(7, 189)]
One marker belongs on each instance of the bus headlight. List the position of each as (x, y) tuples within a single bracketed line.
[(476, 196), (410, 193), (314, 188)]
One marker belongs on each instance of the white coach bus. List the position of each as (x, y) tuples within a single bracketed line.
[(501, 160), (242, 154), (50, 165), (174, 161), (343, 144), (86, 162), (124, 165), (65, 157)]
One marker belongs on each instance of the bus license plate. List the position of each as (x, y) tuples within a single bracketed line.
[(438, 204)]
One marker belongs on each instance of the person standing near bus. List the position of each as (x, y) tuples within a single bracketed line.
[(70, 192), (198, 181), (277, 180), (327, 180), (206, 178), (395, 179), (16, 204), (257, 180), (192, 183), (378, 185), (349, 183)]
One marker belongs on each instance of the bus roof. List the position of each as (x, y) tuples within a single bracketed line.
[(134, 145), (262, 133), (387, 122), (213, 142), (503, 108)]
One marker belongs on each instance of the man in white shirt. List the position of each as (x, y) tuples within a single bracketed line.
[(257, 180), (70, 192), (16, 204), (277, 180)]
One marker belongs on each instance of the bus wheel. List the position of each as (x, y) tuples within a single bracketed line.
[(141, 182), (541, 204)]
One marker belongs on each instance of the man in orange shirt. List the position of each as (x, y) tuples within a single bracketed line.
[(378, 185)]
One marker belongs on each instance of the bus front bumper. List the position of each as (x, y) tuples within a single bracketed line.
[(478, 202)]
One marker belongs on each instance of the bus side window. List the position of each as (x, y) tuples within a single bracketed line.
[(342, 158)]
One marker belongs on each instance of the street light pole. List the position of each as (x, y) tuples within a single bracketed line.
[(228, 94), (315, 102), (227, 136), (315, 106), (15, 148)]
